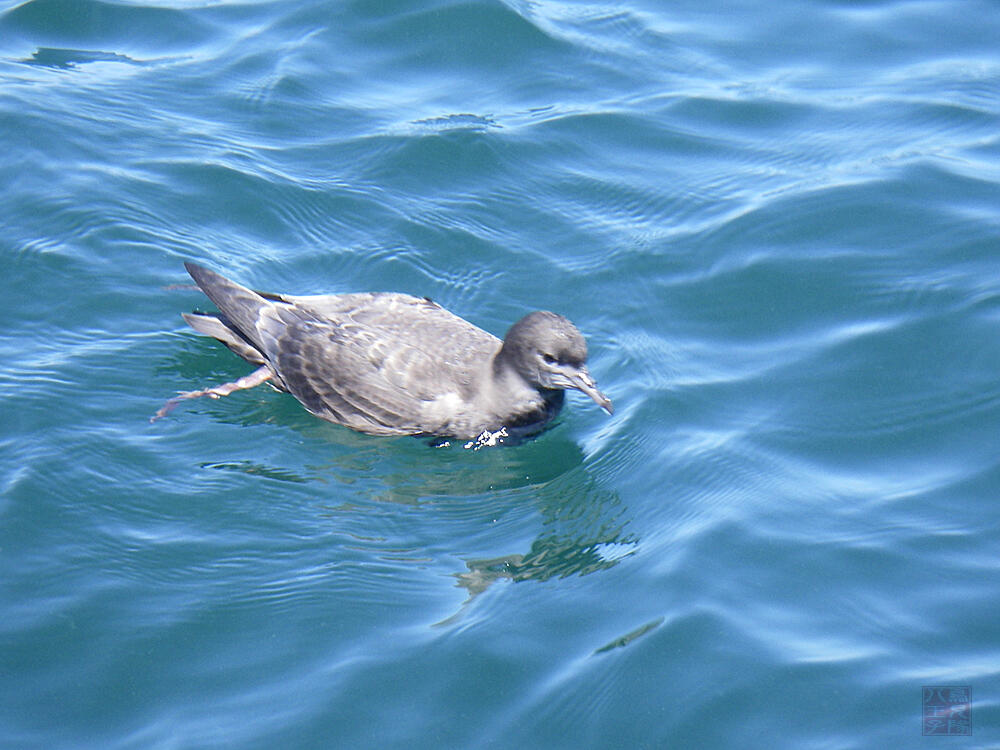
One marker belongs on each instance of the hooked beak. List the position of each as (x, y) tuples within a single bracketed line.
[(579, 378)]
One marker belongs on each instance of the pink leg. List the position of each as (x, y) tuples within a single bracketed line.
[(252, 380)]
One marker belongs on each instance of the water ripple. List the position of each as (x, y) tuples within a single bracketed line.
[(779, 243)]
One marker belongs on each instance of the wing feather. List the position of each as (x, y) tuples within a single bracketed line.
[(331, 370)]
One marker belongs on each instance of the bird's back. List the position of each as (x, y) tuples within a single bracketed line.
[(411, 343)]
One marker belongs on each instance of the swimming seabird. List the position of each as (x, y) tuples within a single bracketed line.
[(391, 364)]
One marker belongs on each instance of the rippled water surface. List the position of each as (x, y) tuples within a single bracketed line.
[(778, 227)]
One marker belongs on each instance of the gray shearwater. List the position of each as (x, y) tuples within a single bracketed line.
[(391, 364)]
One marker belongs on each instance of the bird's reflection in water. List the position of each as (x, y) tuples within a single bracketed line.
[(585, 532), (584, 526)]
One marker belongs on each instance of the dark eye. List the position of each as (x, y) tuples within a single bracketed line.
[(549, 359)]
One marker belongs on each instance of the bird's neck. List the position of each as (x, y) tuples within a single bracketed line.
[(528, 401)]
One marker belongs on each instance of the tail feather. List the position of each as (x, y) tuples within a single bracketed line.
[(219, 328), (240, 307)]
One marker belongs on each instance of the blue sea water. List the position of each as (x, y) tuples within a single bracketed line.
[(778, 226)]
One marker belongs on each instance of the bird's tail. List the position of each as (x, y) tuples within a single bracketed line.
[(240, 307)]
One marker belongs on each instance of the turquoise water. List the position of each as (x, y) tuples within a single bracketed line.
[(778, 227)]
